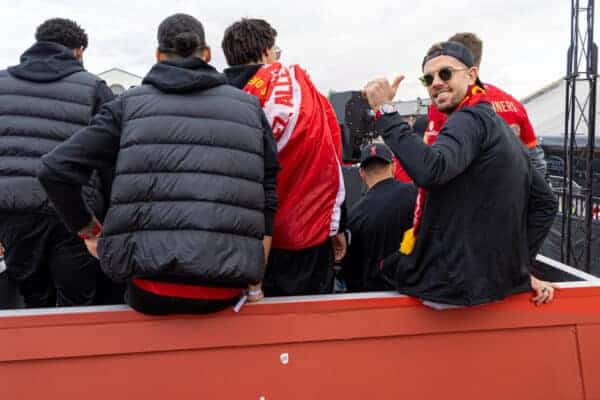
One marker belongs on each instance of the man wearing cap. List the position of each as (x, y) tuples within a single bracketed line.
[(484, 212), (506, 106), (377, 222)]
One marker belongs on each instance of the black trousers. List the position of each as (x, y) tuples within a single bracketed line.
[(297, 272), (51, 265), (9, 294)]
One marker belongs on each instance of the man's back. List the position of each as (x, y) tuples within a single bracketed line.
[(376, 224), (46, 99), (309, 149), (310, 185), (194, 192), (188, 194), (513, 113)]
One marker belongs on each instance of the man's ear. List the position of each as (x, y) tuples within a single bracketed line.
[(206, 54), (78, 53), (160, 56), (362, 174), (473, 74)]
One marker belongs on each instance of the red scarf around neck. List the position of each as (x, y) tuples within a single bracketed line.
[(475, 95)]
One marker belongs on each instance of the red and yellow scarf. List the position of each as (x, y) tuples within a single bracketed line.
[(475, 95)]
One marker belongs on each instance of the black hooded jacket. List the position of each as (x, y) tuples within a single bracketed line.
[(45, 100), (194, 191), (376, 224), (239, 75)]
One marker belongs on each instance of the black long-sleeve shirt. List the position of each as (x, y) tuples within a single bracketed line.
[(104, 95), (377, 223), (65, 169)]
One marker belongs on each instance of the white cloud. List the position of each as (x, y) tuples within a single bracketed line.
[(342, 44)]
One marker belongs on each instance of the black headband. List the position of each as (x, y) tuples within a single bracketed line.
[(452, 49), (456, 50)]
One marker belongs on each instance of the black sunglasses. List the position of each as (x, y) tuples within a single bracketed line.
[(445, 74)]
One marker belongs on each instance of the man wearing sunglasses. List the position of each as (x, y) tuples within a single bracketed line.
[(482, 211), (307, 231), (506, 106)]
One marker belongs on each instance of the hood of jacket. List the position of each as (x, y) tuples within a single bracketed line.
[(46, 62)]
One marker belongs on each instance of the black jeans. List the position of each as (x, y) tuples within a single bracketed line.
[(51, 265), (296, 272), (9, 294)]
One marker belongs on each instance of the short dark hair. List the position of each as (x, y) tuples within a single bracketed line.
[(246, 41), (181, 34), (471, 42), (374, 165), (62, 31)]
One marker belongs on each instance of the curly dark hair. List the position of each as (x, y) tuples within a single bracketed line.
[(62, 31), (247, 40), (181, 34)]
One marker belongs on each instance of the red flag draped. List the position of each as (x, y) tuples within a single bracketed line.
[(310, 184)]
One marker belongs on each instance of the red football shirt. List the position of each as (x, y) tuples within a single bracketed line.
[(400, 173), (506, 106)]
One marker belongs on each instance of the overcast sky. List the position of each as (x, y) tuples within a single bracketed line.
[(342, 44)]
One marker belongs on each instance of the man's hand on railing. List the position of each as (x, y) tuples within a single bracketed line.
[(255, 293), (544, 291)]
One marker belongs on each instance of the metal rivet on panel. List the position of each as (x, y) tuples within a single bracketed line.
[(284, 358)]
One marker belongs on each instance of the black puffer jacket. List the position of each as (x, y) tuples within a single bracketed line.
[(194, 191), (45, 100)]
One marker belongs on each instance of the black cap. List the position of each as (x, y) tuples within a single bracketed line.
[(456, 50), (376, 150)]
